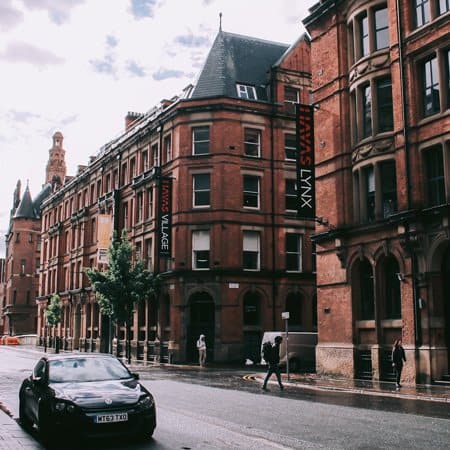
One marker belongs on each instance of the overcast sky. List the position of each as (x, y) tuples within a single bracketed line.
[(78, 66)]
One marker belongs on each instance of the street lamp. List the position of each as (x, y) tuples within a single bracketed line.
[(285, 316)]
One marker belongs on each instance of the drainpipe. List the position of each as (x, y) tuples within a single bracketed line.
[(272, 196), (417, 330)]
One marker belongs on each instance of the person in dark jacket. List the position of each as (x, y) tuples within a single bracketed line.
[(398, 357), (274, 364)]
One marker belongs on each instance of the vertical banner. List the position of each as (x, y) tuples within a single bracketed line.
[(165, 218), (104, 232), (306, 208)]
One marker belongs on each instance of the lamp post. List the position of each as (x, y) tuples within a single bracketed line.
[(285, 316)]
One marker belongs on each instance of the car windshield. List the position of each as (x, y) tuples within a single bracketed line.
[(86, 369)]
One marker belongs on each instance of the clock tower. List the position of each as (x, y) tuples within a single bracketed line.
[(56, 166)]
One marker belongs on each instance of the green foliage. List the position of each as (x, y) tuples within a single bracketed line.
[(54, 311), (123, 284)]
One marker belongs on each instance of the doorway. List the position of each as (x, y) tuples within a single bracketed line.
[(202, 321), (446, 297)]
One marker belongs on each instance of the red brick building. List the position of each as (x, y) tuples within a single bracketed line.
[(2, 295), (380, 74), (222, 158)]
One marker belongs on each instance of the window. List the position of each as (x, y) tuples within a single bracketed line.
[(202, 189), (392, 296), (22, 266), (366, 99), (138, 251), (251, 191), (144, 161), (30, 238), (251, 250), (155, 155), (384, 99), (381, 29), (251, 309), (435, 176), (252, 142), (246, 91), (388, 188), (444, 6), (364, 35), (200, 250), (149, 254), (422, 10), (38, 265), (364, 292), (200, 140), (140, 207), (14, 297), (430, 87), (150, 203), (290, 146), (293, 252), (168, 147), (291, 94), (369, 177), (17, 237), (132, 168), (291, 195), (447, 75), (125, 216)]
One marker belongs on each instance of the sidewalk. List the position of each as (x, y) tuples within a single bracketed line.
[(435, 392), (12, 437)]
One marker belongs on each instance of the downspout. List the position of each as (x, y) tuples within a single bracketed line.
[(272, 196), (417, 330)]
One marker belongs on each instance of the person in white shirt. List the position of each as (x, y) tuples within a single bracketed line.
[(201, 346)]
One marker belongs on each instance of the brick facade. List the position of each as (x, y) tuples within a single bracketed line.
[(227, 274), (383, 186)]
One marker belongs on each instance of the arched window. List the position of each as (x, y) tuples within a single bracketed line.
[(392, 297), (251, 309), (363, 290), (294, 307)]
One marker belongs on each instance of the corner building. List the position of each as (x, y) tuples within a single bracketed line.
[(381, 88), (235, 255)]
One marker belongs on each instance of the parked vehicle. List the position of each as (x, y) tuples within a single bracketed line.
[(85, 395), (302, 350)]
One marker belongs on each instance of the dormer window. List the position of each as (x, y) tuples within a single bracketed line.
[(291, 94), (246, 91)]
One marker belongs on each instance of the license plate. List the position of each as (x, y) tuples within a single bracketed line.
[(110, 418)]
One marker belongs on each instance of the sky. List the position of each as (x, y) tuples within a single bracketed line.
[(78, 66)]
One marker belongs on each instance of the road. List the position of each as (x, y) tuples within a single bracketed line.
[(219, 409)]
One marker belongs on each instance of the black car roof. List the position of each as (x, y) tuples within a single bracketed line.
[(61, 356)]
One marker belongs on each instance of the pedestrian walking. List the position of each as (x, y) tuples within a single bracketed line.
[(201, 347), (398, 357), (272, 357)]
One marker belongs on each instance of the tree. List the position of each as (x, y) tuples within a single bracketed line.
[(122, 285), (53, 313)]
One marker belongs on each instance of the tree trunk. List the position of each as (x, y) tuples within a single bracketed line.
[(128, 343)]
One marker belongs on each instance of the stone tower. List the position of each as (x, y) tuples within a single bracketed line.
[(56, 166)]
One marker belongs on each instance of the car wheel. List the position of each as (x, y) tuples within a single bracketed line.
[(145, 435), (23, 418)]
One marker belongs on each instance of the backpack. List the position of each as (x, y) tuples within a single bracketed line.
[(267, 351)]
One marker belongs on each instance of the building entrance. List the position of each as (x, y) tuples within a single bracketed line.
[(202, 321)]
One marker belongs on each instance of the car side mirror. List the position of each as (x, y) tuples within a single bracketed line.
[(135, 376)]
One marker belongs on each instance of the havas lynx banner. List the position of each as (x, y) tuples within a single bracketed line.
[(165, 218), (104, 233), (306, 208)]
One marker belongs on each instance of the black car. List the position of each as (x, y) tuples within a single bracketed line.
[(86, 395)]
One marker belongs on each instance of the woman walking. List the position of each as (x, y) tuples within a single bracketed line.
[(398, 357), (201, 347)]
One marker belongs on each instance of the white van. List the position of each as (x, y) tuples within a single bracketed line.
[(302, 349)]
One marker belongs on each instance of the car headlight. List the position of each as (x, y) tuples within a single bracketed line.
[(146, 402), (63, 407)]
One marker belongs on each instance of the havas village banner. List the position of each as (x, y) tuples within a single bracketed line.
[(165, 218), (306, 208), (104, 233)]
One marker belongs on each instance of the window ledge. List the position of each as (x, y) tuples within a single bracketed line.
[(392, 323)]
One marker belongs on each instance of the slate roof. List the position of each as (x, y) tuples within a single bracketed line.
[(29, 209), (237, 59)]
